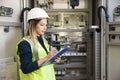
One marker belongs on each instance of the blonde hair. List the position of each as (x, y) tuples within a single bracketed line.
[(31, 29)]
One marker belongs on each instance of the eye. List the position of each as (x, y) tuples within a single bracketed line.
[(42, 25)]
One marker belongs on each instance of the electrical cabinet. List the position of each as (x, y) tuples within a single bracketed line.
[(113, 50), (9, 12), (68, 27)]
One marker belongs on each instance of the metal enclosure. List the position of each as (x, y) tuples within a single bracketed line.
[(10, 33), (110, 51), (70, 27)]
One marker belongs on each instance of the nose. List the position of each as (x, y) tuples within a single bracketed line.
[(45, 28)]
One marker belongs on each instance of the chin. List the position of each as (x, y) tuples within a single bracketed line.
[(42, 33)]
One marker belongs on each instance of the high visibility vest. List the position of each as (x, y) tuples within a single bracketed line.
[(44, 72)]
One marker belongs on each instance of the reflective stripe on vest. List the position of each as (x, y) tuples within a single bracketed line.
[(44, 72), (34, 47)]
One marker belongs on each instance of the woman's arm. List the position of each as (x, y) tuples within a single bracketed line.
[(25, 55)]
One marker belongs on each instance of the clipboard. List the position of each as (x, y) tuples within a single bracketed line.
[(51, 60)]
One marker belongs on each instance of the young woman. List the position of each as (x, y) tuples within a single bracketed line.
[(33, 50)]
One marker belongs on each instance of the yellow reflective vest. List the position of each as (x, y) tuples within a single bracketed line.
[(44, 72)]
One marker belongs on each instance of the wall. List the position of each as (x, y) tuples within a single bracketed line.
[(8, 41)]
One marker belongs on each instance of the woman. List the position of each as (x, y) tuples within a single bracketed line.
[(33, 49)]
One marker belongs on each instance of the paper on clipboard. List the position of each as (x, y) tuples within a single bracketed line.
[(51, 60)]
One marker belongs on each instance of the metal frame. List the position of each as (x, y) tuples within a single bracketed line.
[(12, 24)]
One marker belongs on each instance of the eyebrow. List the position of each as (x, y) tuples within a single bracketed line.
[(43, 23)]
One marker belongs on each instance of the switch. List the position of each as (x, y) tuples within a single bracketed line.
[(6, 29)]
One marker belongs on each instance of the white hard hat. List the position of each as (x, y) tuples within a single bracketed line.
[(36, 13)]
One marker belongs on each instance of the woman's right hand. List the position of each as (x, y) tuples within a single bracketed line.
[(50, 54)]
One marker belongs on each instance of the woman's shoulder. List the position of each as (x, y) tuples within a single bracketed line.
[(23, 41), (24, 47), (24, 44)]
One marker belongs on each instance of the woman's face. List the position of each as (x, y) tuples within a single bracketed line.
[(41, 26)]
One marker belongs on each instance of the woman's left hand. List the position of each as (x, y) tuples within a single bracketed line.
[(57, 60), (54, 51)]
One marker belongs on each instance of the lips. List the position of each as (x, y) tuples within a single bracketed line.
[(43, 31)]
